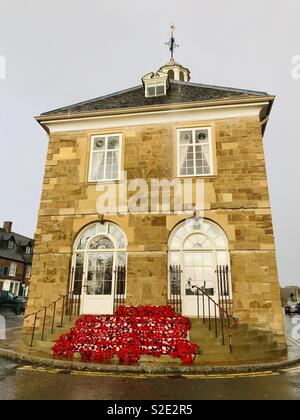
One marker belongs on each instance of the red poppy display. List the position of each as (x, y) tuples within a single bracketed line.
[(129, 333)]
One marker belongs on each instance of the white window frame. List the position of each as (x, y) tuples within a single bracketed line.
[(28, 272), (13, 269), (99, 231), (17, 289), (214, 248), (15, 286), (211, 161), (11, 245), (156, 85), (28, 250), (105, 136)]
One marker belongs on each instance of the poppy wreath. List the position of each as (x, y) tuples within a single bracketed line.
[(130, 333)]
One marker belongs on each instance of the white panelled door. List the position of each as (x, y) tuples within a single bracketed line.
[(99, 292), (198, 270), (99, 251), (198, 246)]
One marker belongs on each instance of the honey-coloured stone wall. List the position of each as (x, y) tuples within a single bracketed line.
[(236, 197)]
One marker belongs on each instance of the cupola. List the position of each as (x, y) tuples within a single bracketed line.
[(176, 71), (158, 83)]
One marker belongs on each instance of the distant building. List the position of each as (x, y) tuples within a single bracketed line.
[(15, 260), (288, 292)]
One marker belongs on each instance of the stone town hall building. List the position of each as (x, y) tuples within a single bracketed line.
[(167, 128)]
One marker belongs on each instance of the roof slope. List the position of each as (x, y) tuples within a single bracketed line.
[(16, 254), (180, 92)]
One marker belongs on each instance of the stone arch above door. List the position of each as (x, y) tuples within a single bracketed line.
[(99, 256), (215, 235), (196, 248)]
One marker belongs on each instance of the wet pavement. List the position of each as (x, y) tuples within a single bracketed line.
[(12, 321), (30, 383), (19, 382)]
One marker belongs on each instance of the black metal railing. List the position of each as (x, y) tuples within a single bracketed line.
[(224, 289), (217, 315), (66, 306), (55, 314), (175, 288), (212, 313), (120, 287)]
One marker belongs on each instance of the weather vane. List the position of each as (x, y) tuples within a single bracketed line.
[(171, 43)]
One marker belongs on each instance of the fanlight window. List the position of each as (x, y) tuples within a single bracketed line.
[(101, 242), (202, 234), (96, 237), (89, 233), (197, 241)]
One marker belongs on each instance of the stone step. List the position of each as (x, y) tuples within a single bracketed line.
[(213, 358), (254, 347), (161, 359), (196, 321), (197, 324), (214, 350), (238, 340), (204, 329), (44, 345), (258, 356), (196, 335), (240, 337), (247, 343), (56, 335), (207, 339), (223, 355), (252, 333), (237, 357), (199, 330), (249, 347)]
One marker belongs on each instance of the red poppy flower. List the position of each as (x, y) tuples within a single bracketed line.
[(130, 333)]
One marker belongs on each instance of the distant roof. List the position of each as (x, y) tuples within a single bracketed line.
[(17, 254), (180, 92), (23, 240)]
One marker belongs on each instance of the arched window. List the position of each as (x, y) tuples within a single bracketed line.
[(196, 248), (194, 232), (99, 253), (181, 76), (171, 74), (100, 229)]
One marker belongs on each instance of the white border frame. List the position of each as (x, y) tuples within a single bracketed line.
[(13, 272), (86, 251), (106, 136), (182, 251), (155, 84), (211, 160)]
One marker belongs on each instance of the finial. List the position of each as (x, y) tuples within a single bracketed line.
[(171, 43)]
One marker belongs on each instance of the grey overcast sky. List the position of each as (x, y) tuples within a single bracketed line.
[(60, 52)]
